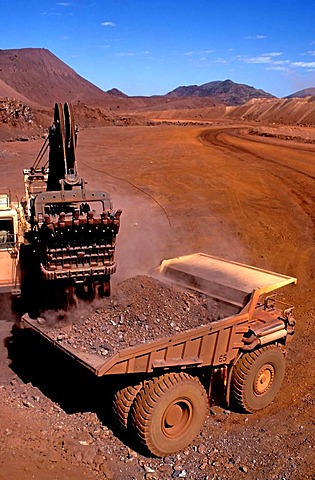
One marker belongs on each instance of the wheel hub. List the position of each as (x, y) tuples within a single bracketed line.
[(177, 418), (264, 379), (173, 416)]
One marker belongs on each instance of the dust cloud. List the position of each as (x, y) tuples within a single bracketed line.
[(79, 311), (142, 239)]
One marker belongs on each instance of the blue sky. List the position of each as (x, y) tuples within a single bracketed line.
[(147, 47)]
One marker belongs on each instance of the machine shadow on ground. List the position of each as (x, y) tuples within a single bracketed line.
[(65, 382)]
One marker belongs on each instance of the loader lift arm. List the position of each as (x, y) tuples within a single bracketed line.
[(62, 143)]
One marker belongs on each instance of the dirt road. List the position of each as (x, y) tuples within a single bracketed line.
[(185, 189)]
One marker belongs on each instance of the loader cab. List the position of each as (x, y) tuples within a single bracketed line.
[(7, 235), (8, 223), (9, 239)]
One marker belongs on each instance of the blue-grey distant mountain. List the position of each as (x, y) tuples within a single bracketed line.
[(306, 92), (230, 93)]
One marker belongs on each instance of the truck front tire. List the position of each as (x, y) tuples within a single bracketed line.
[(257, 377)]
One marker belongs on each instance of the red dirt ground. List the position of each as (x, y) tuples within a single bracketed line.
[(182, 189)]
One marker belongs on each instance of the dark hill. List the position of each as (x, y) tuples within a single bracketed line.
[(307, 92), (116, 92), (228, 92)]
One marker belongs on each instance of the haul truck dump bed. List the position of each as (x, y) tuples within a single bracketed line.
[(227, 282), (171, 381)]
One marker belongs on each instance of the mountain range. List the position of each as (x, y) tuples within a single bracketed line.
[(36, 77)]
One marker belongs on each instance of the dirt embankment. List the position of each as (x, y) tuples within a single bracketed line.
[(23, 121), (279, 111)]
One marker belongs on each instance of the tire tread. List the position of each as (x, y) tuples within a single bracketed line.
[(147, 398), (240, 375)]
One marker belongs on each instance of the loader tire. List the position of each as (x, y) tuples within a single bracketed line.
[(122, 403), (168, 412), (256, 378)]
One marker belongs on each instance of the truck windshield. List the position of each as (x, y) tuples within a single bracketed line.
[(7, 236)]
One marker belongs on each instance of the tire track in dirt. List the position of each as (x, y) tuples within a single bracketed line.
[(120, 179), (298, 183), (215, 138)]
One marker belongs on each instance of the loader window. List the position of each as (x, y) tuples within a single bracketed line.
[(7, 236)]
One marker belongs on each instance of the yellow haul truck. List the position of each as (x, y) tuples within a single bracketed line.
[(170, 382)]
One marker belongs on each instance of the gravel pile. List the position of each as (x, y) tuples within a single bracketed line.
[(142, 310)]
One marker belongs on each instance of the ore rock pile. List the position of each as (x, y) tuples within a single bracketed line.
[(143, 309)]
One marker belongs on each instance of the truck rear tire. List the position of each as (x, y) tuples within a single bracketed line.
[(168, 412), (257, 377), (122, 403)]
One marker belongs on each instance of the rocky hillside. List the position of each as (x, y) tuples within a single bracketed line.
[(227, 91), (41, 77)]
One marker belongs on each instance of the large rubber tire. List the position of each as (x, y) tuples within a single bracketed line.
[(168, 412), (122, 403), (256, 378)]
